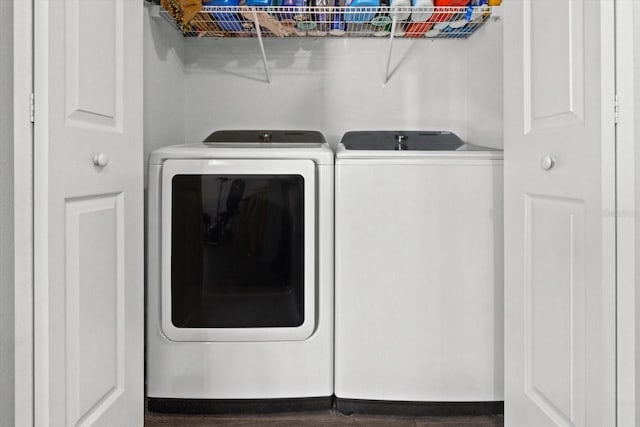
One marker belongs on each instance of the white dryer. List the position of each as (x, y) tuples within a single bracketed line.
[(240, 273), (419, 274)]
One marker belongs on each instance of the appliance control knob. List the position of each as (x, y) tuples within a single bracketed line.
[(401, 140), (265, 136), (547, 163), (100, 160)]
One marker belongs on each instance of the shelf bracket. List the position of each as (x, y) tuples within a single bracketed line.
[(394, 22), (154, 10), (264, 56)]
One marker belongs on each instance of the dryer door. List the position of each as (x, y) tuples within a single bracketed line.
[(238, 250)]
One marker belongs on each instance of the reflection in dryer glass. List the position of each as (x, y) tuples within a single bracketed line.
[(237, 251)]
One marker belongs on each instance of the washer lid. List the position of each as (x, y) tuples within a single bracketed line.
[(266, 136), (407, 140), (411, 146)]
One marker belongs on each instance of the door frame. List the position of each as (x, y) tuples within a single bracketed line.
[(628, 233), (23, 212)]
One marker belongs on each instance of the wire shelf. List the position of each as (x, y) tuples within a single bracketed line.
[(343, 21)]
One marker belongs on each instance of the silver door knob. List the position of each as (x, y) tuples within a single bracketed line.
[(100, 160), (547, 163)]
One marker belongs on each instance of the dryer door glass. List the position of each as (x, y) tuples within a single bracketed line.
[(237, 251)]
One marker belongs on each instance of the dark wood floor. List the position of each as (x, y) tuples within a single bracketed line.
[(321, 418)]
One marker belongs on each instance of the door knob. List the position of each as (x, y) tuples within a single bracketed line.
[(100, 160), (547, 163)]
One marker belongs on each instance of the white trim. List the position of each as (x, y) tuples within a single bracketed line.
[(40, 214), (608, 205), (627, 387), (23, 210)]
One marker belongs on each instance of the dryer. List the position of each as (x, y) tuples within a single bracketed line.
[(240, 273), (419, 274)]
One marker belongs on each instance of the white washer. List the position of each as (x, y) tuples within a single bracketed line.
[(419, 270), (240, 273)]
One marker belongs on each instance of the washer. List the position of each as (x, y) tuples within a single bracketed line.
[(419, 271), (240, 273)]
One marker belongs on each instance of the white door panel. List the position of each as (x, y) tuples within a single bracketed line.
[(88, 213), (554, 307), (94, 65), (559, 231), (553, 77), (94, 290)]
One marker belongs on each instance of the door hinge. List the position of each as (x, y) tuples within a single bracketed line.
[(32, 108), (616, 109)]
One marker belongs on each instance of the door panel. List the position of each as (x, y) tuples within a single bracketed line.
[(88, 204), (559, 231), (94, 64), (553, 77), (94, 292), (554, 301)]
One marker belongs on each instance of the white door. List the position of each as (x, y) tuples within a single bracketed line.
[(559, 213), (88, 213)]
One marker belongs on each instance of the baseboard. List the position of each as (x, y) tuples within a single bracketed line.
[(238, 406), (407, 408)]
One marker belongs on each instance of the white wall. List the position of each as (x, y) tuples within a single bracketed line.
[(163, 85), (327, 84), (484, 84), (331, 85), (6, 217)]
